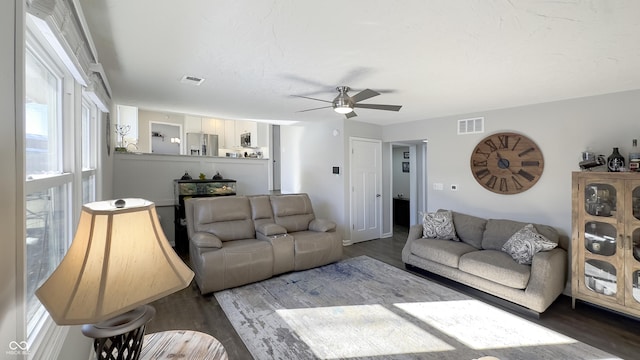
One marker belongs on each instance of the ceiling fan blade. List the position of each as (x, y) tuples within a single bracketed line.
[(310, 82), (310, 98), (351, 114), (364, 95), (324, 107), (378, 107)]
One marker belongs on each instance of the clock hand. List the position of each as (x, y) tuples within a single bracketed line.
[(503, 163)]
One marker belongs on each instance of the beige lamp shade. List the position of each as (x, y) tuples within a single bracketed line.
[(119, 259)]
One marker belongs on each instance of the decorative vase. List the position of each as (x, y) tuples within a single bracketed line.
[(186, 176), (615, 161)]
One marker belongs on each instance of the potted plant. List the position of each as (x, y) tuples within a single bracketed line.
[(122, 131)]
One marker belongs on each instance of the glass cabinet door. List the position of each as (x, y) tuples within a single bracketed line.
[(600, 276), (602, 253), (600, 199), (632, 247)]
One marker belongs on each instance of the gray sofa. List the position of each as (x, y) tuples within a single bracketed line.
[(236, 240), (477, 260)]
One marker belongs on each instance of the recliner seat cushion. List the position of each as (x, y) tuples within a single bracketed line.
[(445, 252), (496, 266), (312, 249), (237, 263)]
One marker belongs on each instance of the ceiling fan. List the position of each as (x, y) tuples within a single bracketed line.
[(344, 104)]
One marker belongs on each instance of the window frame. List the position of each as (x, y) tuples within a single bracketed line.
[(44, 337)]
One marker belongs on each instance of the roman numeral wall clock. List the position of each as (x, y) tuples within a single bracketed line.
[(507, 163)]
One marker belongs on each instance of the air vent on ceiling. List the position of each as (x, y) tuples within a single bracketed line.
[(192, 80), (471, 126)]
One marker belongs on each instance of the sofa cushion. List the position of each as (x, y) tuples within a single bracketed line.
[(314, 249), (227, 217), (445, 252), (525, 243), (496, 266), (498, 231), (294, 212), (438, 225), (469, 228), (223, 208)]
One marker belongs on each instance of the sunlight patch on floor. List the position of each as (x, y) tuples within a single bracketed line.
[(358, 331), (481, 326)]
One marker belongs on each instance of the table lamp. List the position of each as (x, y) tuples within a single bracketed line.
[(119, 261)]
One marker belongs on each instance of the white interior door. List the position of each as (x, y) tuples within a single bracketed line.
[(366, 186)]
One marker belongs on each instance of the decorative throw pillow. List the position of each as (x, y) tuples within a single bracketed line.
[(438, 225), (525, 243)]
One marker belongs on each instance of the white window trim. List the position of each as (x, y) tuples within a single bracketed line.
[(46, 338)]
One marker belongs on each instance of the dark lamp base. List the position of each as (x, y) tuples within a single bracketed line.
[(120, 338)]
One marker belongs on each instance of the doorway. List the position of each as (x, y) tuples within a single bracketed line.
[(165, 138), (408, 175), (401, 185)]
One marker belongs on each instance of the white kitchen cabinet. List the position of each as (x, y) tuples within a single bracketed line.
[(262, 134), (230, 140), (192, 124), (220, 131), (209, 126)]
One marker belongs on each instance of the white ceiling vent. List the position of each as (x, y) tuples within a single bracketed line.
[(471, 126), (191, 80)]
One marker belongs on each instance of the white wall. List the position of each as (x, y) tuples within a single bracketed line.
[(309, 151), (561, 129)]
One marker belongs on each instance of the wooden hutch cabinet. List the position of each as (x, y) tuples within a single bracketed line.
[(605, 245)]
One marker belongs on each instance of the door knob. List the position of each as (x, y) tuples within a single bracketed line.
[(378, 195)]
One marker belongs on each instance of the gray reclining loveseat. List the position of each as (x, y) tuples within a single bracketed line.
[(236, 240)]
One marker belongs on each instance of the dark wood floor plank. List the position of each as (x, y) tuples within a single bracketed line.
[(612, 332)]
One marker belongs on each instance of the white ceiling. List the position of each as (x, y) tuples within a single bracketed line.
[(435, 58)]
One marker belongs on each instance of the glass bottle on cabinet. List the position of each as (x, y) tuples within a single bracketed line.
[(606, 240)]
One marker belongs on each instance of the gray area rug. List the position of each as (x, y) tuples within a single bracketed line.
[(362, 308)]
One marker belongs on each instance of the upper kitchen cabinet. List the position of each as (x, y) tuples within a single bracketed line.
[(192, 124), (252, 133)]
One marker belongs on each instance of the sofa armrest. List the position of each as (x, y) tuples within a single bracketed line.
[(206, 240), (415, 232), (548, 274), (270, 229), (321, 225)]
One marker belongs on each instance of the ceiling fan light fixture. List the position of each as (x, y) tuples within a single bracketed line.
[(342, 104), (343, 109)]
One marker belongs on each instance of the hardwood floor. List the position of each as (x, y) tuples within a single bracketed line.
[(606, 330)]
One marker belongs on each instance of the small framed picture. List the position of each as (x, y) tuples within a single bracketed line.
[(405, 166), (406, 154)]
